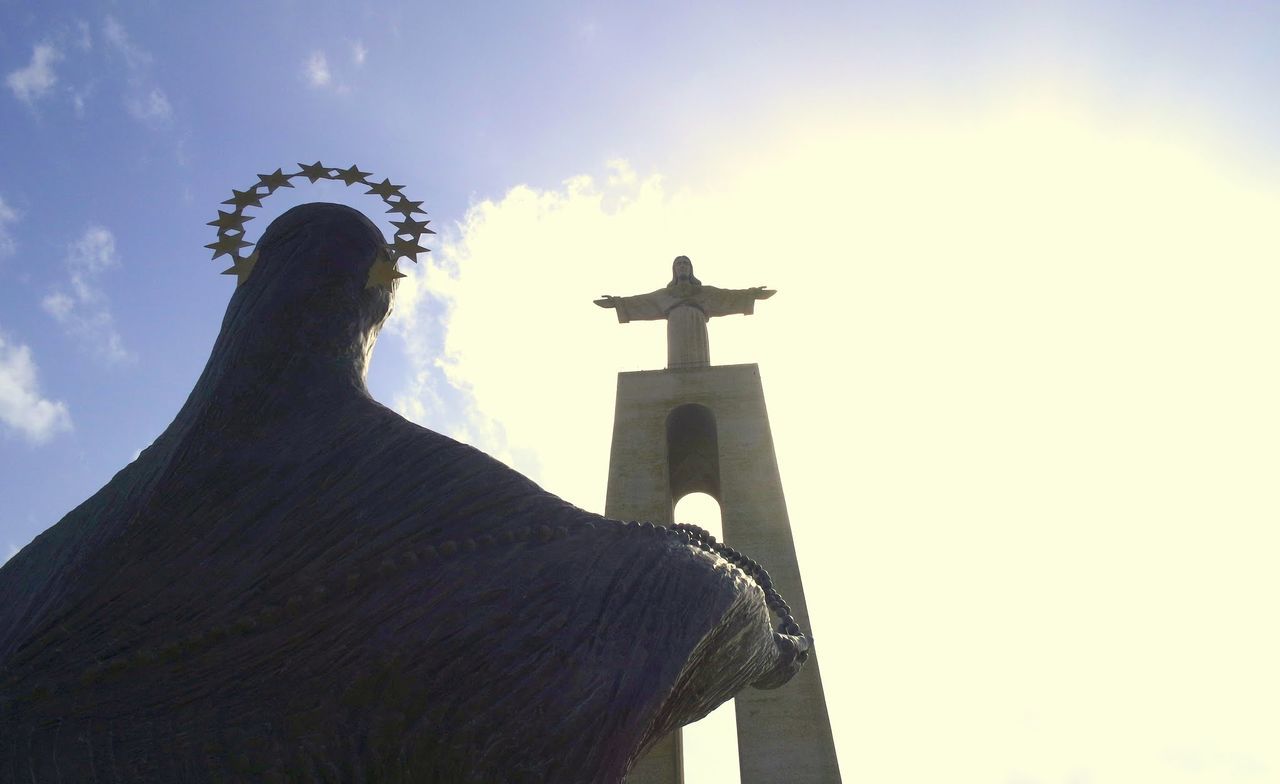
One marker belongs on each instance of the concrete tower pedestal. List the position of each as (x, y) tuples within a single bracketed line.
[(705, 429)]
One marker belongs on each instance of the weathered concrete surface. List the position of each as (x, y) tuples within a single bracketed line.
[(686, 304), (661, 764), (784, 735)]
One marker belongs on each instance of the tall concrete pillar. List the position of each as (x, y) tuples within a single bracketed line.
[(705, 429)]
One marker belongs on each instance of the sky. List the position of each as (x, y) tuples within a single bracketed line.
[(1020, 367)]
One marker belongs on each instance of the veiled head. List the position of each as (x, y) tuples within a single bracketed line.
[(309, 292), (682, 272)]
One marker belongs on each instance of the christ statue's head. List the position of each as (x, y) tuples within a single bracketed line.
[(682, 272)]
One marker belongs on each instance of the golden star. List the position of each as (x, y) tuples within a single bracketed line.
[(411, 226), (316, 171), (277, 179), (406, 207), (409, 247), (242, 267), (242, 199), (227, 245), (230, 221), (385, 189), (383, 273), (351, 176)]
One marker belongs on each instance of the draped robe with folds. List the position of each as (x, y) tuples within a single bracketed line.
[(295, 583)]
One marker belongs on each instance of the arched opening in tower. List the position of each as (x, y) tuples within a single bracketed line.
[(693, 452), (710, 745)]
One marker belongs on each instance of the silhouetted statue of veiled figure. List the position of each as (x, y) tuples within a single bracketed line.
[(293, 583)]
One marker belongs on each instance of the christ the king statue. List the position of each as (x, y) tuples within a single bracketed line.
[(686, 304)]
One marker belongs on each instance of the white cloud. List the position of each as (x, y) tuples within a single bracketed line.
[(37, 78), (152, 108), (1014, 378), (317, 70), (484, 350), (620, 173), (94, 252), (78, 97), (144, 101), (22, 408), (120, 42), (85, 37), (80, 306), (7, 216), (358, 53), (58, 305)]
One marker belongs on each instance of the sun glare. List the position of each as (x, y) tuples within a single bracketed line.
[(1017, 371)]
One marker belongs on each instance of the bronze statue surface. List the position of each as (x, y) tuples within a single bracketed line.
[(293, 583)]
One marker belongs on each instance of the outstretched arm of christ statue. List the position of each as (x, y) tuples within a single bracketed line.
[(711, 300), (724, 302), (641, 307)]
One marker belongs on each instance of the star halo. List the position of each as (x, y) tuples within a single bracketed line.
[(231, 241)]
